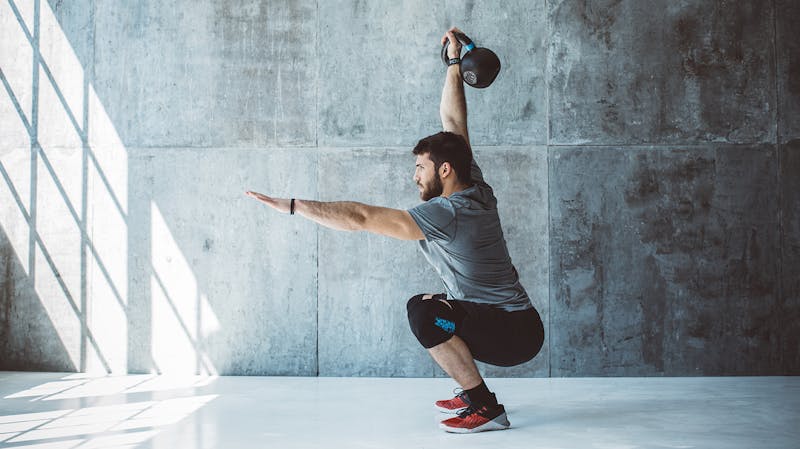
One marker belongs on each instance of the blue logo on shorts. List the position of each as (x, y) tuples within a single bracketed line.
[(447, 325)]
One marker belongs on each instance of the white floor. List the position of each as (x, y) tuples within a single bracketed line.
[(62, 411)]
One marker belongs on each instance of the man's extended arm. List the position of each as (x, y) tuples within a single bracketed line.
[(453, 107), (350, 216)]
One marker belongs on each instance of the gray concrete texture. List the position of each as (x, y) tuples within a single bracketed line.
[(644, 155), (668, 261), (789, 287), (788, 64), (628, 72)]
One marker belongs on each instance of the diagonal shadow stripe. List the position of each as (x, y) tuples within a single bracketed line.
[(21, 20), (60, 187), (78, 221), (107, 184), (71, 301), (14, 193), (81, 133), (73, 387), (16, 103), (32, 40), (36, 427)]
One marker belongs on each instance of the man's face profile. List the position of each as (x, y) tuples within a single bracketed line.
[(427, 179)]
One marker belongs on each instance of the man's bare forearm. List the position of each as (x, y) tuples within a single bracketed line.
[(453, 107), (348, 216), (339, 215)]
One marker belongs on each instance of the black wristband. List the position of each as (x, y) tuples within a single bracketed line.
[(453, 61), (291, 207)]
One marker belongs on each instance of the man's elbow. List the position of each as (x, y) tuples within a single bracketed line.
[(359, 221), (455, 126), (449, 120)]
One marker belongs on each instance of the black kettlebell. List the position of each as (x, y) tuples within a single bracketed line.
[(479, 66)]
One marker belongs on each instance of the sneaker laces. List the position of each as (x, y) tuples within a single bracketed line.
[(466, 412), (460, 393)]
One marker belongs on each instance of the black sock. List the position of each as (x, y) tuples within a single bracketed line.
[(480, 396)]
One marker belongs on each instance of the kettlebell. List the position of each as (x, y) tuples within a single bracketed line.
[(479, 66)]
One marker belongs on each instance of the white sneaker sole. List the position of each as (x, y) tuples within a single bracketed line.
[(499, 423)]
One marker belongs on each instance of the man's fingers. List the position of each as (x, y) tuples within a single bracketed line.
[(260, 197), (255, 195), (279, 204), (452, 38), (450, 34)]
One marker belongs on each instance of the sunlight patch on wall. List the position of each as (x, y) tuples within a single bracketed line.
[(108, 217), (181, 315)]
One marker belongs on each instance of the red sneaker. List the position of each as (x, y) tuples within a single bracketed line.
[(488, 417), (456, 405)]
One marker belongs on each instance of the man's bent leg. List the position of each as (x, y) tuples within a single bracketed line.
[(434, 323), (455, 359)]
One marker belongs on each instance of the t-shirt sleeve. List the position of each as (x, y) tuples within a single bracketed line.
[(476, 174), (436, 219)]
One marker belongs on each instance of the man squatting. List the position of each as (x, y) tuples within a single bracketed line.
[(485, 314)]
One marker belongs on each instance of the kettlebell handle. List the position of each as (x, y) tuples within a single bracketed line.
[(465, 41)]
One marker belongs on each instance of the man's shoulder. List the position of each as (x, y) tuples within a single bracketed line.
[(440, 210), (439, 202), (479, 196), (436, 218)]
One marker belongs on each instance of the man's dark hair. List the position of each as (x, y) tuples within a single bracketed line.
[(447, 147)]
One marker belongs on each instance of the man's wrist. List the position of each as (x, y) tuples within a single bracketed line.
[(454, 71)]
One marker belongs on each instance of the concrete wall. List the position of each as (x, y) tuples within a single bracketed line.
[(645, 156)]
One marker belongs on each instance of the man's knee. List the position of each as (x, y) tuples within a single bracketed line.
[(432, 322)]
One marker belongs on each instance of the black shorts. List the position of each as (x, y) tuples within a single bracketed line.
[(493, 335)]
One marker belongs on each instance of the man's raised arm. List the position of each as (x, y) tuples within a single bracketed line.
[(453, 108)]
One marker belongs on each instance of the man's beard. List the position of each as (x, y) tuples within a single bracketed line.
[(432, 190)]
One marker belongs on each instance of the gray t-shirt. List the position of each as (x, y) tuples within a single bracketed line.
[(464, 243)]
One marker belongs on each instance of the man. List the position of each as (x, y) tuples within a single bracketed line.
[(486, 314)]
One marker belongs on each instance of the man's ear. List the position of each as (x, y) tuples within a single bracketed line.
[(445, 169)]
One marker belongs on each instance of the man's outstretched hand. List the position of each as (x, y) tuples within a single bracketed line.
[(282, 205)]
